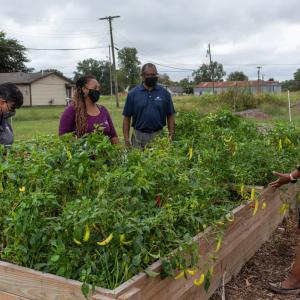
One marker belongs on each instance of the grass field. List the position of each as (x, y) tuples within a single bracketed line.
[(31, 122)]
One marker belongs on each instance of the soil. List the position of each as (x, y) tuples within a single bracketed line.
[(253, 113), (271, 262)]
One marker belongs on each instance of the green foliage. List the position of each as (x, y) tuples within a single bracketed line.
[(98, 68), (129, 66), (12, 55), (71, 194), (237, 76), (208, 73)]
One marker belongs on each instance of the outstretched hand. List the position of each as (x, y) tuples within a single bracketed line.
[(283, 178)]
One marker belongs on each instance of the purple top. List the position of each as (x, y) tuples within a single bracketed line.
[(67, 121)]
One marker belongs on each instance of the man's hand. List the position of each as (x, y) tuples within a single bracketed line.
[(127, 144), (283, 178)]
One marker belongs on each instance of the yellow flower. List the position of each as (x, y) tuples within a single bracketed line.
[(87, 233), (106, 241), (199, 281), (180, 275), (22, 189)]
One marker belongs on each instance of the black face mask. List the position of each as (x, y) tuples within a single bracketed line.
[(94, 95), (151, 81)]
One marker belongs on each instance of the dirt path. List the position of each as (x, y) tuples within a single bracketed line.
[(271, 263)]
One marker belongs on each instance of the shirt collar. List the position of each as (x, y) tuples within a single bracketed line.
[(142, 87)]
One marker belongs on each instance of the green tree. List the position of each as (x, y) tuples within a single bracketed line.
[(208, 73), (98, 68), (52, 70), (12, 55), (129, 66), (164, 79), (187, 85), (237, 76)]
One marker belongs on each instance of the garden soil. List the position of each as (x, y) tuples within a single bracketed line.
[(271, 262)]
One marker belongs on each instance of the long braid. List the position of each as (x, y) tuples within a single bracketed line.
[(80, 106)]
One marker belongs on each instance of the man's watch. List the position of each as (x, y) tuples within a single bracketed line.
[(292, 179)]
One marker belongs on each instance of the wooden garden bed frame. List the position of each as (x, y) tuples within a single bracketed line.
[(242, 239)]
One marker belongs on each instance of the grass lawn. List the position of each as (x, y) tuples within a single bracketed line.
[(31, 122)]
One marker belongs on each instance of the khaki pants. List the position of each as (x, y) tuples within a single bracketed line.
[(141, 139)]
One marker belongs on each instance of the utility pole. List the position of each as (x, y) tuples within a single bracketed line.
[(110, 75), (113, 56), (258, 77), (211, 69)]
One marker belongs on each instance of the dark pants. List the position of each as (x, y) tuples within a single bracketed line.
[(140, 139)]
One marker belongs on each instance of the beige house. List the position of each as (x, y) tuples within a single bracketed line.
[(41, 88)]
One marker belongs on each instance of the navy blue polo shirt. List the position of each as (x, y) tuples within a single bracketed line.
[(148, 109)]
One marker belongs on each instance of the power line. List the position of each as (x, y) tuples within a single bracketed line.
[(54, 49)]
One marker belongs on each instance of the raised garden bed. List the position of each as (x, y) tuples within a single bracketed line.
[(244, 236)]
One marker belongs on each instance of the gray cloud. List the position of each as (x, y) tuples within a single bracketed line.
[(242, 34)]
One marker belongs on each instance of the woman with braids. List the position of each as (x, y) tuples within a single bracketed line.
[(84, 115)]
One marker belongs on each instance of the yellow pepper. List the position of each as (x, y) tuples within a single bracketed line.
[(191, 272), (190, 153), (242, 190), (264, 205), (106, 241), (252, 196), (122, 240), (279, 145), (180, 275), (199, 281), (69, 155), (87, 233), (219, 243), (76, 241), (255, 207)]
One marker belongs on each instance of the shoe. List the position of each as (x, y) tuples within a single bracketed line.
[(277, 288)]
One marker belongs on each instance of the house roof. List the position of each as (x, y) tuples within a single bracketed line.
[(27, 78), (224, 84)]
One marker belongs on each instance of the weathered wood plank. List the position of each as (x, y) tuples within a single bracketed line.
[(6, 296)]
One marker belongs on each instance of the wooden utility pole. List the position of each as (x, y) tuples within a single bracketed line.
[(258, 77), (113, 56), (110, 75), (211, 69)]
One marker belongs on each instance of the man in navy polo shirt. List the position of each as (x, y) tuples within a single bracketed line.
[(150, 107)]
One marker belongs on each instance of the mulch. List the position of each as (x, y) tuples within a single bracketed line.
[(271, 262)]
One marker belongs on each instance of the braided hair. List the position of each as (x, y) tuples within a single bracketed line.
[(80, 106)]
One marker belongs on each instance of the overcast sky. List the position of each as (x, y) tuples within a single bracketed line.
[(174, 34)]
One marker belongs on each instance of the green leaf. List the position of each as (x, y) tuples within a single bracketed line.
[(55, 258), (151, 273)]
